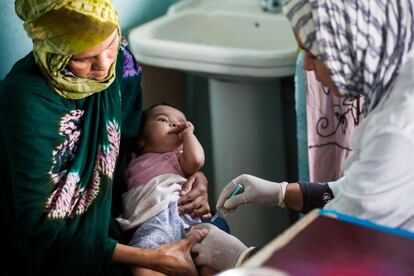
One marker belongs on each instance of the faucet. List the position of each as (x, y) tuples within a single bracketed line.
[(270, 5)]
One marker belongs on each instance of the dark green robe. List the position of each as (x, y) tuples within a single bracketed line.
[(58, 162)]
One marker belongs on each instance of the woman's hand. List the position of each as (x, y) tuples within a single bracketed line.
[(194, 198), (171, 259), (175, 258)]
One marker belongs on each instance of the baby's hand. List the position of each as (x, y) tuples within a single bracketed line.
[(187, 128)]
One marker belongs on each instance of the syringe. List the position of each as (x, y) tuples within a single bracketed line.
[(239, 189)]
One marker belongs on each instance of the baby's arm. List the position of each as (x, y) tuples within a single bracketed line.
[(192, 158)]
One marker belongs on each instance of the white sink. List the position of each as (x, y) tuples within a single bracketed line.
[(242, 41)]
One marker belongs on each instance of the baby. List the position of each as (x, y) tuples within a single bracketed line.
[(168, 153)]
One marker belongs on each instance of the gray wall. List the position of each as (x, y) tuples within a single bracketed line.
[(15, 44)]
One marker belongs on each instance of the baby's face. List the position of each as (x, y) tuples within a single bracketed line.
[(161, 130)]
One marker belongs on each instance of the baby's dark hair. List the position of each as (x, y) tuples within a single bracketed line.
[(144, 118), (145, 114)]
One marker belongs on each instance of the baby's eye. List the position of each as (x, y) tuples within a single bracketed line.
[(162, 120)]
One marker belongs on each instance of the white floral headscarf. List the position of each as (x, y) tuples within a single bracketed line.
[(363, 43)]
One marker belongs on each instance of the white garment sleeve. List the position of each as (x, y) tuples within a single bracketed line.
[(378, 183)]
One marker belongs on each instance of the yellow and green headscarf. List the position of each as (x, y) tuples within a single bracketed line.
[(60, 29)]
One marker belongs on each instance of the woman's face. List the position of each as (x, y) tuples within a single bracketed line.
[(322, 74), (95, 63)]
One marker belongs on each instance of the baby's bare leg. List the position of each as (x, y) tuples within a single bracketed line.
[(140, 271)]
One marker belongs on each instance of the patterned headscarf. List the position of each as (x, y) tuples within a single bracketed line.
[(60, 29), (363, 43)]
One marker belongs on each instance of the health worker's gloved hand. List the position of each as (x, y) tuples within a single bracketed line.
[(256, 190), (219, 249)]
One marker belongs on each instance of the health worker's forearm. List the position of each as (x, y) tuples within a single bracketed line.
[(294, 197)]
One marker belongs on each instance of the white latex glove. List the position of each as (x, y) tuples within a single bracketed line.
[(219, 249), (256, 190)]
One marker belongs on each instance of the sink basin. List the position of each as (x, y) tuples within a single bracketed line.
[(218, 42)]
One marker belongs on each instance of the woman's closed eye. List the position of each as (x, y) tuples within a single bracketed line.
[(80, 60)]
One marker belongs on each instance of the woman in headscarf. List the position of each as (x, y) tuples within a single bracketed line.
[(66, 112), (355, 48)]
